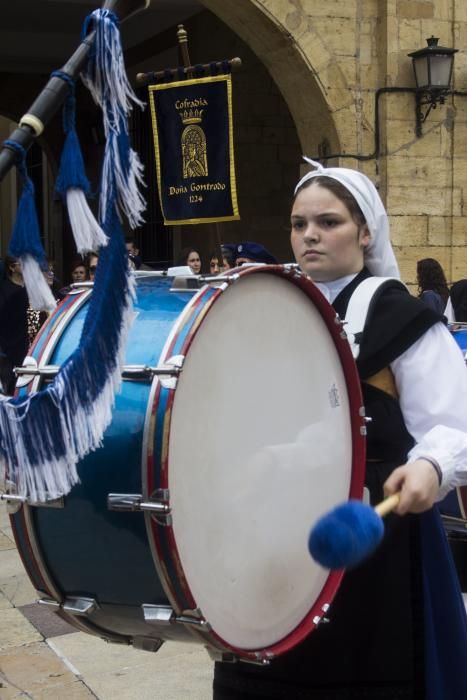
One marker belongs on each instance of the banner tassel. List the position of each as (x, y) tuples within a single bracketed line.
[(25, 243), (72, 183)]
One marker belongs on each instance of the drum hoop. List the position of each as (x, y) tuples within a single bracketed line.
[(162, 538)]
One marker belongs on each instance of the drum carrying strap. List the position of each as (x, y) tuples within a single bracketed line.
[(359, 309)]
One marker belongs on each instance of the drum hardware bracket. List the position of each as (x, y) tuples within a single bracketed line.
[(133, 502), (165, 615), (50, 603), (320, 620), (147, 643), (262, 659), (73, 606), (15, 502), (167, 373)]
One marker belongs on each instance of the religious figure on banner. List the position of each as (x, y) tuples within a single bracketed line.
[(193, 142)]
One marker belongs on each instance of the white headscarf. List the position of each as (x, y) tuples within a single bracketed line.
[(379, 255)]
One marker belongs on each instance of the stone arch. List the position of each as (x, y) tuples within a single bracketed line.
[(303, 78)]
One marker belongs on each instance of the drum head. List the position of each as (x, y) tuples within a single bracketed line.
[(260, 446)]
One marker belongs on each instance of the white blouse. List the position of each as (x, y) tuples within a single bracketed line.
[(431, 378)]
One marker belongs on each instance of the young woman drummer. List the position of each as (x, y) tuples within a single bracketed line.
[(397, 629)]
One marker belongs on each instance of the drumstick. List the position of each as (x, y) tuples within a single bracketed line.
[(349, 533)]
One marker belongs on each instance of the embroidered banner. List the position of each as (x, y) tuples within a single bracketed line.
[(193, 140)]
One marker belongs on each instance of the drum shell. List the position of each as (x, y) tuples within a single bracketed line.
[(57, 550)]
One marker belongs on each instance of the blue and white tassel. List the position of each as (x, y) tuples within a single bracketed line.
[(25, 243), (106, 78), (45, 434), (72, 183)]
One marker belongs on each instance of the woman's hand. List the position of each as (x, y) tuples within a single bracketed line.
[(418, 483)]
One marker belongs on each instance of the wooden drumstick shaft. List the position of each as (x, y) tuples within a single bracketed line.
[(388, 504)]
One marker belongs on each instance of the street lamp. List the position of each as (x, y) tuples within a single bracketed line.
[(432, 68)]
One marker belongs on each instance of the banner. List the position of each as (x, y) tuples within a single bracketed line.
[(193, 140)]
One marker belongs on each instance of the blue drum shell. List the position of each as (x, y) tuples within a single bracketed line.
[(87, 550)]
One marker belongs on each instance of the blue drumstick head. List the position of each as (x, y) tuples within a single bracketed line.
[(346, 535)]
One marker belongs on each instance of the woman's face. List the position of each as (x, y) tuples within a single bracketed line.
[(16, 273), (326, 241), (214, 266), (93, 260), (194, 262), (79, 274)]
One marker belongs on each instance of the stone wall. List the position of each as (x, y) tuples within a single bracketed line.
[(350, 48)]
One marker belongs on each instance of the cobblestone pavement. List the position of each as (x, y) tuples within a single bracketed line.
[(42, 656)]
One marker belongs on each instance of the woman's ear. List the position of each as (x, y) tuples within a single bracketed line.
[(364, 236)]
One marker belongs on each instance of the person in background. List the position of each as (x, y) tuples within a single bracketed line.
[(397, 626), (191, 257), (133, 252), (216, 263), (228, 251), (93, 259), (250, 252), (79, 272), (456, 310), (432, 285), (36, 319), (13, 322)]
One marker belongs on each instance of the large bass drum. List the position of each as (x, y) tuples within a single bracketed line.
[(239, 423)]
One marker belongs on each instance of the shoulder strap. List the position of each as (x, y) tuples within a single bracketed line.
[(359, 307)]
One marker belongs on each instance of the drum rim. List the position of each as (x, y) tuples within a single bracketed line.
[(189, 323)]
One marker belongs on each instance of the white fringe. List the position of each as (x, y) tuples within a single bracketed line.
[(112, 91), (87, 233), (110, 86), (82, 429), (39, 292), (130, 199)]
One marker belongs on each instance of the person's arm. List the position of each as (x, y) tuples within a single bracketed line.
[(431, 378)]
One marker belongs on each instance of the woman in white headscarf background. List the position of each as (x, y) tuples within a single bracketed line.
[(398, 628)]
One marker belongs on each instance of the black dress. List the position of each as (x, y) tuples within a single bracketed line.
[(13, 331), (374, 646)]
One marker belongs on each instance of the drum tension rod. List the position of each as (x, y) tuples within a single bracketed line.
[(133, 502), (165, 615), (128, 371)]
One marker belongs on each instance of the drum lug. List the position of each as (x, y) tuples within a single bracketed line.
[(221, 656), (79, 606), (133, 502), (13, 501), (147, 643), (50, 603), (321, 619), (165, 615), (262, 658), (73, 606), (172, 367)]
